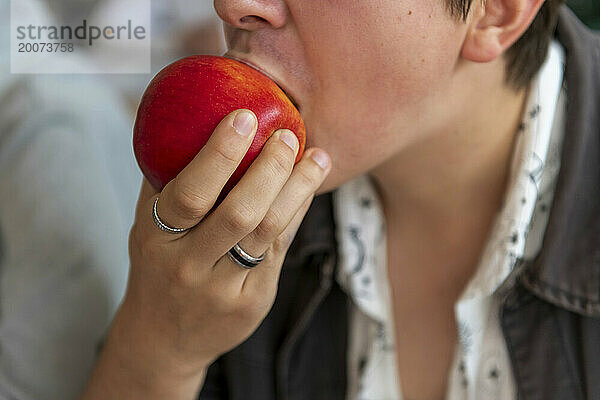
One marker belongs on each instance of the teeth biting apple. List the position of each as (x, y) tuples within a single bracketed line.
[(261, 70), (290, 98)]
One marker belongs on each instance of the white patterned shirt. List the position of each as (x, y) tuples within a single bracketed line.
[(481, 367)]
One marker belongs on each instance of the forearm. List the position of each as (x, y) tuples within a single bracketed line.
[(131, 368)]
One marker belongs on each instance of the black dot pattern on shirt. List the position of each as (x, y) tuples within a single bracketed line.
[(534, 111), (536, 173), (494, 373), (465, 336), (463, 374), (355, 235), (362, 363)]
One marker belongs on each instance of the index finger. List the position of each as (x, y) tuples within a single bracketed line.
[(186, 199)]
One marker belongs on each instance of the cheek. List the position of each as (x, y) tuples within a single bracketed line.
[(384, 59), (377, 66)]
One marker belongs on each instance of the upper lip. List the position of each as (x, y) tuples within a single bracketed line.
[(279, 83)]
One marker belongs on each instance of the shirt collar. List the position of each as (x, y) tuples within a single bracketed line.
[(567, 270), (532, 178)]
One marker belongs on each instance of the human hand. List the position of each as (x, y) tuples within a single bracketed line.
[(186, 301)]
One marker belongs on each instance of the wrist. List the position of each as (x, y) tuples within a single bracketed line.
[(134, 365), (146, 345)]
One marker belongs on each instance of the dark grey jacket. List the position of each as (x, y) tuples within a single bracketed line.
[(550, 320)]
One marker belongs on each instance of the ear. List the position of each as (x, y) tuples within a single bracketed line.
[(495, 25)]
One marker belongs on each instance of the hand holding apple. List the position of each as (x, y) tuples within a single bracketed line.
[(186, 301)]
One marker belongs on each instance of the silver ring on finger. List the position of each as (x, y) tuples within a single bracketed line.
[(243, 259), (161, 225)]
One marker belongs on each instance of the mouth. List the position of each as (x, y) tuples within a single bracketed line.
[(289, 96), (262, 71)]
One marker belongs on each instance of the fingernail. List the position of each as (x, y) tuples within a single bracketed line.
[(289, 138), (320, 158), (244, 123)]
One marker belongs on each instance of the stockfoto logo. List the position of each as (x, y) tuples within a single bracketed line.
[(113, 42), (90, 33)]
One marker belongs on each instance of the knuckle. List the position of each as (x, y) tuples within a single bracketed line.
[(185, 275), (227, 155), (307, 178), (182, 270), (267, 228), (240, 219), (282, 243), (189, 200), (280, 162)]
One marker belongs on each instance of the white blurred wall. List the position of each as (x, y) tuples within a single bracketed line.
[(178, 28), (70, 183)]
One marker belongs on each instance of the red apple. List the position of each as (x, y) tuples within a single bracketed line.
[(185, 102)]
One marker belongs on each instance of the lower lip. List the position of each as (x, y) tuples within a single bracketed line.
[(292, 100)]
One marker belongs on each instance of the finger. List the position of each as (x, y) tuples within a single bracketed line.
[(237, 277), (305, 179), (187, 198), (285, 238), (248, 202), (264, 278)]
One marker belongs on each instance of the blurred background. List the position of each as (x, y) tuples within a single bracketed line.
[(69, 185), (588, 11), (69, 188)]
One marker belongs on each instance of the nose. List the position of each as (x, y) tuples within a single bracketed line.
[(252, 14)]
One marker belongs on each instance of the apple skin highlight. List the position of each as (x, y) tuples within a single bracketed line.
[(185, 102)]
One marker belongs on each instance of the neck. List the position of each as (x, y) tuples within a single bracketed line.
[(453, 173), (448, 187)]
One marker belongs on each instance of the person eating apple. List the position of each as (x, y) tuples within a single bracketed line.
[(437, 239)]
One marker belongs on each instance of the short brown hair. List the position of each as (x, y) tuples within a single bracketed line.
[(526, 56)]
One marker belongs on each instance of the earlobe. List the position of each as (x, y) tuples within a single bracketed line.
[(495, 26), (482, 45)]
